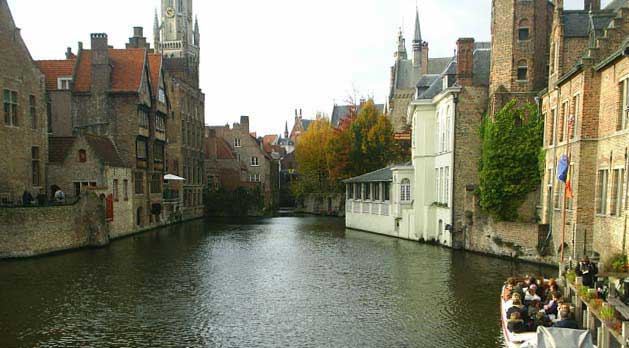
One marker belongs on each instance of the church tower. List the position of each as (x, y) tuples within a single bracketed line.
[(178, 39)]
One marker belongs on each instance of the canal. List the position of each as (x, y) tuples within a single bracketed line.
[(284, 282)]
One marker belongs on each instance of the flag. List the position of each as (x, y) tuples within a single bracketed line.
[(562, 169), (569, 192)]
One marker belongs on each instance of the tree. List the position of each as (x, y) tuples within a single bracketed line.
[(310, 154), (510, 159)]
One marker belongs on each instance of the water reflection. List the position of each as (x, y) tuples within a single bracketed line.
[(285, 282)]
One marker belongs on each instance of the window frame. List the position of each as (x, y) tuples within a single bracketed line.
[(405, 191), (10, 101), (522, 67)]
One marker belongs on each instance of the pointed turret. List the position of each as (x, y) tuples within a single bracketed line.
[(286, 131), (401, 47), (197, 33), (156, 34), (418, 43)]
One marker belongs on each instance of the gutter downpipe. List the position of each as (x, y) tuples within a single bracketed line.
[(452, 195)]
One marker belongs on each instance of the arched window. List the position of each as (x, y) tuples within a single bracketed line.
[(524, 30), (82, 156), (405, 192), (523, 70)]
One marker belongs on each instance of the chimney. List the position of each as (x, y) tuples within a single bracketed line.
[(69, 53), (138, 40), (592, 5), (244, 124), (464, 61), (101, 69), (424, 54)]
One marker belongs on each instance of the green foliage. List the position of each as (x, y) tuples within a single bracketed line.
[(240, 202), (617, 263), (607, 313), (510, 159), (571, 276)]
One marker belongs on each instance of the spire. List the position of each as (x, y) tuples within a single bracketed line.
[(156, 38), (401, 46), (418, 30), (197, 34), (286, 131)]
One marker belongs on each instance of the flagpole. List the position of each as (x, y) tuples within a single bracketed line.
[(565, 189)]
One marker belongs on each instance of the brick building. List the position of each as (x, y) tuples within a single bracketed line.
[(23, 125), (177, 38), (261, 168), (222, 166), (585, 111), (405, 73), (519, 62)]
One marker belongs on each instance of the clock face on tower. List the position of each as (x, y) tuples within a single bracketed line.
[(170, 12)]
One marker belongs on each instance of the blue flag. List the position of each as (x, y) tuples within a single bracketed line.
[(562, 169)]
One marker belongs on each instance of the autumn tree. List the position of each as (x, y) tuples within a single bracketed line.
[(312, 160)]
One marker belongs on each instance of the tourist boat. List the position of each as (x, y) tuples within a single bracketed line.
[(513, 340)]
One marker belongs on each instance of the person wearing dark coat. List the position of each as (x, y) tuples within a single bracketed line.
[(515, 324), (41, 198), (519, 308), (565, 321), (588, 271), (27, 198)]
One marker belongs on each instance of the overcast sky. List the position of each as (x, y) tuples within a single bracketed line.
[(266, 58)]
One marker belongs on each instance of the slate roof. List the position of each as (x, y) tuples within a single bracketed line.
[(127, 67), (54, 69), (223, 150), (616, 4), (380, 175), (577, 22), (102, 147), (340, 112)]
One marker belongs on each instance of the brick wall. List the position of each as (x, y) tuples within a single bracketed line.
[(32, 231)]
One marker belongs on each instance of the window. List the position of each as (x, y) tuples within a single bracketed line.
[(156, 183), (350, 191), (115, 190), (10, 108), (255, 162), (553, 58), (405, 191), (161, 95), (523, 30), (160, 122), (63, 83), (623, 119), (143, 117), (367, 191), (359, 191), (437, 185), (574, 119), (552, 127), (376, 191), (563, 121), (601, 191), (180, 6), (618, 179), (82, 156), (125, 189), (32, 107), (559, 191), (36, 166), (139, 183), (523, 70), (158, 152), (446, 198), (386, 192), (141, 150), (236, 142), (570, 201)]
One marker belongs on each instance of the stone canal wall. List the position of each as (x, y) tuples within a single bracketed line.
[(32, 231), (330, 204)]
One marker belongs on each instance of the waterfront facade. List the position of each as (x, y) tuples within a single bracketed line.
[(23, 125), (585, 112)]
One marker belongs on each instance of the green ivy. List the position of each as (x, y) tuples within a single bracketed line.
[(240, 202), (510, 159)]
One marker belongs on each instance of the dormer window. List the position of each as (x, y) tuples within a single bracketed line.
[(161, 95), (63, 83), (444, 80)]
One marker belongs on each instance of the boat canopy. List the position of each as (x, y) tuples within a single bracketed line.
[(549, 337), (171, 177)]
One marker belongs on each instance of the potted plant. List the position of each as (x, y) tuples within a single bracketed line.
[(571, 276), (596, 304), (607, 314)]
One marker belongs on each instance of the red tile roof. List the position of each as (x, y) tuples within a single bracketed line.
[(54, 69), (223, 150), (155, 65), (127, 67)]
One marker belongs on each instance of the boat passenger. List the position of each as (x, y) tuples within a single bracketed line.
[(515, 324), (565, 320), (514, 296), (531, 294), (553, 304), (519, 288), (517, 307)]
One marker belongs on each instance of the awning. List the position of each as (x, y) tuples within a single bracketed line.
[(171, 177)]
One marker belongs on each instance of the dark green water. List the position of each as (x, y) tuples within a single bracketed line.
[(285, 282)]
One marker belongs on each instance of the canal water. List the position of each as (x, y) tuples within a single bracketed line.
[(284, 282)]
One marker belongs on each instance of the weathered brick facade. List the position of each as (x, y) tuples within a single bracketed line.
[(23, 123)]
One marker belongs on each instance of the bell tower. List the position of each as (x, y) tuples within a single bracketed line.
[(179, 34)]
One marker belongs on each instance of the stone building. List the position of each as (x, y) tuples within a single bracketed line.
[(23, 125), (519, 44), (261, 168), (222, 166), (405, 73), (585, 111), (341, 113), (177, 38)]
